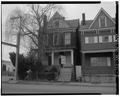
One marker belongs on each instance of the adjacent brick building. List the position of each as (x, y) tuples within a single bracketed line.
[(98, 48)]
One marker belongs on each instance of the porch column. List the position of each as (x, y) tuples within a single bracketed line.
[(52, 58), (72, 60)]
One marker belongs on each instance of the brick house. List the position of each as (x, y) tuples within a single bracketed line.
[(98, 48), (61, 45)]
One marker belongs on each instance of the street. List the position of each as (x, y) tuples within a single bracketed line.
[(39, 89)]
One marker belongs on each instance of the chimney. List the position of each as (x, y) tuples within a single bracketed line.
[(64, 18), (83, 19)]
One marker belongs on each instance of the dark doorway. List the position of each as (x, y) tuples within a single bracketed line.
[(4, 67), (49, 60)]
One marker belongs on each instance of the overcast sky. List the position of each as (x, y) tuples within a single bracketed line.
[(72, 11)]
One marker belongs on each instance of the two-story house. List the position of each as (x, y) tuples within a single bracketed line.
[(60, 44), (98, 39)]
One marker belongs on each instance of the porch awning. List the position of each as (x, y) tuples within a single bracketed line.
[(99, 51)]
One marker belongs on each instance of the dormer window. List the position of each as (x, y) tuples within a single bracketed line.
[(56, 24), (102, 21)]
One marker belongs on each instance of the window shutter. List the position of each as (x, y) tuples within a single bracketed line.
[(95, 40), (86, 39), (100, 39), (110, 38), (108, 61)]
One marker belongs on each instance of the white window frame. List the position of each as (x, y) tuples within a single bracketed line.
[(95, 39), (67, 39), (100, 22), (57, 39), (114, 38), (109, 39)]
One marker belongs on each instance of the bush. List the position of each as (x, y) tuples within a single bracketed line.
[(52, 73)]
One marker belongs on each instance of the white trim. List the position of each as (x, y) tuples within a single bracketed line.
[(105, 22), (52, 54), (72, 59), (98, 51), (62, 50), (114, 38), (98, 15), (86, 40), (108, 61), (98, 29)]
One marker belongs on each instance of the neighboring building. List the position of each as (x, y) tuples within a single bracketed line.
[(61, 44), (7, 66), (98, 38)]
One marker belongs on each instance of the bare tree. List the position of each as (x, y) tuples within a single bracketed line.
[(33, 24)]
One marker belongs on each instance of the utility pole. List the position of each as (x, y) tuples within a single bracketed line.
[(17, 49)]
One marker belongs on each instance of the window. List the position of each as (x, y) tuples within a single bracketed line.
[(91, 39), (114, 38), (100, 61), (56, 24), (55, 39), (67, 38), (104, 39), (102, 21)]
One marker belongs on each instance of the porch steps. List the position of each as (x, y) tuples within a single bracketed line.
[(65, 74)]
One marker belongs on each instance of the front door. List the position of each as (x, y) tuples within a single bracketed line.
[(63, 61)]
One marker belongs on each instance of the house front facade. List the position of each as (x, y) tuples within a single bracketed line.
[(98, 45), (61, 43)]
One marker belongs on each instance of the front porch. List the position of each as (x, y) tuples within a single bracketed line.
[(64, 59)]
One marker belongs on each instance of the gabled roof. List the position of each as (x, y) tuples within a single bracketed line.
[(99, 14), (73, 23), (56, 15)]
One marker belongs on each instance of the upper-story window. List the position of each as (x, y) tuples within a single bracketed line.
[(104, 39), (102, 21), (67, 38), (55, 39), (114, 38), (91, 39), (56, 24)]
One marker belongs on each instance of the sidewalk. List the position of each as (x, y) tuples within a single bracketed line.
[(67, 83)]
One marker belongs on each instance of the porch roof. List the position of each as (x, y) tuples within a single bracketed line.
[(99, 51)]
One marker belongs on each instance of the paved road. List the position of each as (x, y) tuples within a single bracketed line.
[(30, 88)]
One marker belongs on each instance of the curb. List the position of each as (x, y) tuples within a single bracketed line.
[(66, 83)]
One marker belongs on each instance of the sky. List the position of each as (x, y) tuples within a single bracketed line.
[(71, 11)]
